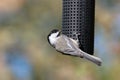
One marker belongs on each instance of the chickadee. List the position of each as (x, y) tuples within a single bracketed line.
[(69, 46)]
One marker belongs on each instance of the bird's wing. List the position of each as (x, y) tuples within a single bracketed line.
[(71, 42)]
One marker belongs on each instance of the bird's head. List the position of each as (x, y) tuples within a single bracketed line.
[(53, 35)]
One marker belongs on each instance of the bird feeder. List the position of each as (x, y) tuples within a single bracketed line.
[(78, 16)]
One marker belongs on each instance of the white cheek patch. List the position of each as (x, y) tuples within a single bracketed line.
[(53, 38)]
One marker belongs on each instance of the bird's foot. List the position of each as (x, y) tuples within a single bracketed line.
[(81, 55)]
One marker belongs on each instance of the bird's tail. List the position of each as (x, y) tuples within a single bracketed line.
[(92, 58)]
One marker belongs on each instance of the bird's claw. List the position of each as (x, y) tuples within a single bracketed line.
[(81, 55)]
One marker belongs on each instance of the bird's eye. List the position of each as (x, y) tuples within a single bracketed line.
[(54, 31)]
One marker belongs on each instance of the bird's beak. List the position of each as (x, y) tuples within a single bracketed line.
[(59, 33)]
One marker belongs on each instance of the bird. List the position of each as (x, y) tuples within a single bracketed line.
[(69, 46)]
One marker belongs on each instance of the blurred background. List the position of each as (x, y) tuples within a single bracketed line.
[(26, 55)]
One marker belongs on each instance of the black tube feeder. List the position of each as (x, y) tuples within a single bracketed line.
[(78, 16)]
